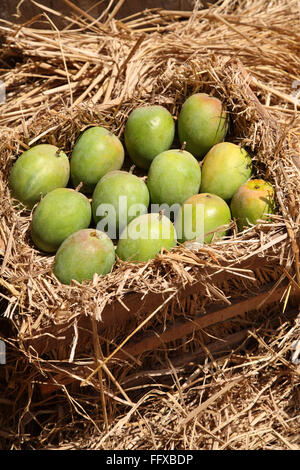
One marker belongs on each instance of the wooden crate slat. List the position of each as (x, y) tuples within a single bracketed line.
[(133, 304)]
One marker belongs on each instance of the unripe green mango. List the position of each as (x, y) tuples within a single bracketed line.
[(202, 123), (60, 213), (252, 201), (174, 175), (124, 192), (200, 217), (149, 131), (145, 236), (38, 171), (96, 152), (225, 168), (83, 254)]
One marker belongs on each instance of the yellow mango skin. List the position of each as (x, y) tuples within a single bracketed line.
[(38, 171), (83, 254), (251, 202), (225, 168), (202, 123)]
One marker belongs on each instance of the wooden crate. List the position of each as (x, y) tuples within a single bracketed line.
[(138, 328)]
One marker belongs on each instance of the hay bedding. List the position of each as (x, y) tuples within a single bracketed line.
[(61, 83)]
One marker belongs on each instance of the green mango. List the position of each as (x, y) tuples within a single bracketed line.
[(149, 131), (254, 200), (145, 236), (174, 176), (96, 152), (38, 171), (60, 213), (200, 218), (202, 123), (127, 197), (225, 168), (83, 254)]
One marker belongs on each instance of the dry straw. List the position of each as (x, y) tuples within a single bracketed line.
[(69, 339)]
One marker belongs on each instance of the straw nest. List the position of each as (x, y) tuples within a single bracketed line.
[(96, 72)]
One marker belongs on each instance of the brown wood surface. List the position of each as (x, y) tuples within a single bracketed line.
[(215, 348), (133, 304), (27, 10), (212, 316), (70, 373)]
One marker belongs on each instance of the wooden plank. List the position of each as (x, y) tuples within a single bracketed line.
[(215, 348), (133, 304), (213, 316), (175, 331), (28, 10)]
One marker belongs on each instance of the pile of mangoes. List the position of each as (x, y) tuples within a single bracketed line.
[(84, 204)]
